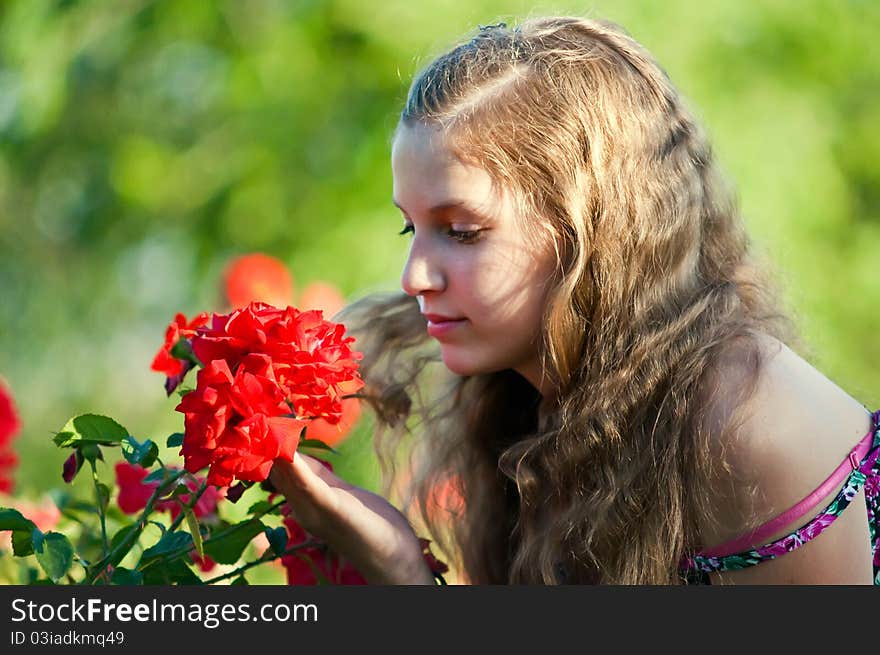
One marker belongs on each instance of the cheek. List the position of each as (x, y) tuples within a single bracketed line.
[(513, 294)]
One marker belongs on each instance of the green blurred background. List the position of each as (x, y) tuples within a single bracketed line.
[(144, 144)]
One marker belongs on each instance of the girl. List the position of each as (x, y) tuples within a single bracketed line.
[(586, 347)]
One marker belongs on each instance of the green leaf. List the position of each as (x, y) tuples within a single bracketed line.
[(277, 539), (30, 575), (90, 429), (159, 475), (74, 506), (183, 350), (175, 440), (54, 553), (67, 502), (240, 580), (315, 444), (143, 454), (123, 576), (91, 452), (169, 543), (167, 573), (161, 526), (182, 391), (103, 493), (264, 506), (22, 543), (89, 545), (193, 524), (228, 548), (122, 534), (12, 519), (179, 489)]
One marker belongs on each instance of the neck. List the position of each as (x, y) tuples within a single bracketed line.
[(534, 373)]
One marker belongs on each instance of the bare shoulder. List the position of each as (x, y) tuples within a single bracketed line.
[(795, 412), (795, 429)]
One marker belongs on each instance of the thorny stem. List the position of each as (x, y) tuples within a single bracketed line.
[(105, 546), (214, 538), (185, 508), (123, 547), (262, 560)]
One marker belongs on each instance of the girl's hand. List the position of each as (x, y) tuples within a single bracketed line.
[(359, 525)]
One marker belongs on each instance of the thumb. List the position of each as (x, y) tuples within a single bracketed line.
[(304, 478)]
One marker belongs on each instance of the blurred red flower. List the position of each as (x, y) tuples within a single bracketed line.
[(445, 500), (306, 564), (134, 493), (9, 427), (323, 296), (333, 434), (205, 564), (44, 513), (257, 277)]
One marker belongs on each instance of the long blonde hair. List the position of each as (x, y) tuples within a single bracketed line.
[(606, 481)]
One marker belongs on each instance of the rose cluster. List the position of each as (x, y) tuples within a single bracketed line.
[(266, 372)]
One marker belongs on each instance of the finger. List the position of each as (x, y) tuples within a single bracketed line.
[(320, 469), (302, 485)]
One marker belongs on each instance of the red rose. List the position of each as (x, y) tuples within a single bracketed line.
[(237, 425), (231, 336), (312, 359), (248, 450), (207, 409), (261, 363), (178, 329)]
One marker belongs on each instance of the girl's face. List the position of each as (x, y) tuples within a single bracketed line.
[(480, 279)]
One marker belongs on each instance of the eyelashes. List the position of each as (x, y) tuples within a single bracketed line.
[(466, 236)]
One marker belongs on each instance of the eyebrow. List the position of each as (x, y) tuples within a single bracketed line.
[(444, 207)]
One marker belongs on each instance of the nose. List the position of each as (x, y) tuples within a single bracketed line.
[(422, 272)]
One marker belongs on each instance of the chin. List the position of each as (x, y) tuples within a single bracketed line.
[(464, 365)]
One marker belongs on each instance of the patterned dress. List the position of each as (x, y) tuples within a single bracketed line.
[(865, 473)]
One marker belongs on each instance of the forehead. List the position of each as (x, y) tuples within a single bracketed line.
[(427, 173)]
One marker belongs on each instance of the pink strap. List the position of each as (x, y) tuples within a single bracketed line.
[(761, 534)]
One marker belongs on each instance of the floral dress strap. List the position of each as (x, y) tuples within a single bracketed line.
[(696, 568)]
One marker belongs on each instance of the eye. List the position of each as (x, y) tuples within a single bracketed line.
[(407, 229), (464, 236)]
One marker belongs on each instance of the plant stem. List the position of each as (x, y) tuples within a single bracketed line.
[(105, 545), (262, 560), (123, 547), (192, 503), (232, 528)]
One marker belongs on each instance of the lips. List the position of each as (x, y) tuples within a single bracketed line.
[(440, 325)]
